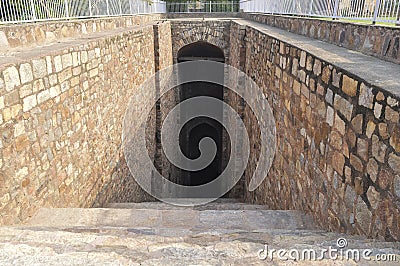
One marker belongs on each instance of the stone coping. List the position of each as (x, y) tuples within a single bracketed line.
[(24, 53), (32, 35), (376, 40), (373, 71)]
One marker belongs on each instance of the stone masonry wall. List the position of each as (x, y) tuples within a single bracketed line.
[(34, 34), (212, 31), (338, 141), (237, 60), (379, 41), (61, 123)]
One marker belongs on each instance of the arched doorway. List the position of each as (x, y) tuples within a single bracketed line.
[(201, 127)]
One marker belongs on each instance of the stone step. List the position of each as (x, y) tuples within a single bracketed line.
[(180, 219), (123, 246), (151, 234), (166, 206)]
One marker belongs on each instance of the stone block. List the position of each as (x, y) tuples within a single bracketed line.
[(349, 86), (64, 75), (29, 103), (84, 57), (336, 76), (380, 96), (39, 68), (19, 129), (25, 90), (357, 123), (11, 78), (303, 56), (329, 96), (43, 96), (377, 110), (11, 98), (49, 65), (4, 44), (378, 149), (366, 98), (372, 169), (309, 63), (343, 106), (356, 163), (392, 115), (38, 85), (330, 115), (326, 74), (66, 60), (362, 149), (317, 67), (370, 128), (338, 162), (383, 131), (55, 91), (21, 143), (396, 185), (395, 139), (363, 215), (374, 197), (26, 73), (392, 102), (340, 124), (385, 179), (394, 162)]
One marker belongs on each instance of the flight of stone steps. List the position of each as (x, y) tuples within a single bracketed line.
[(224, 232)]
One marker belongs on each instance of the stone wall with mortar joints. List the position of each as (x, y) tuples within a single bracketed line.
[(337, 137), (212, 31), (166, 102), (236, 60), (61, 123), (203, 15), (379, 41), (33, 34)]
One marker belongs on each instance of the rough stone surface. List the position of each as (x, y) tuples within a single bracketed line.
[(378, 41), (160, 234), (73, 108), (354, 147), (49, 121)]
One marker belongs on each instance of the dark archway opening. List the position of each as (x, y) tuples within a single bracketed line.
[(201, 127), (200, 51)]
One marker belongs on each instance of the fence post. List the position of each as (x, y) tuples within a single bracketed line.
[(376, 12), (90, 8), (108, 7), (210, 7), (66, 8), (336, 9), (311, 6), (398, 15), (290, 11), (33, 10), (232, 6), (120, 7)]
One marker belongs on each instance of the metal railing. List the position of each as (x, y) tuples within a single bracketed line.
[(202, 7), (12, 11), (367, 10)]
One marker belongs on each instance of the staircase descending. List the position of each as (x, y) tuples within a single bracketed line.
[(224, 232)]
